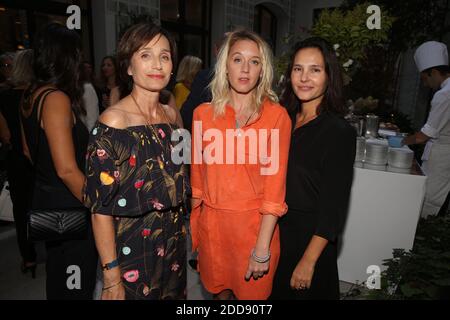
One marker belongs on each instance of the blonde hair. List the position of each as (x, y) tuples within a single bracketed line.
[(188, 68), (220, 87), (22, 72)]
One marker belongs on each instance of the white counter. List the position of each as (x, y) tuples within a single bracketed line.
[(383, 215)]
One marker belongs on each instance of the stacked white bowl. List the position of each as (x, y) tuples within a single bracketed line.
[(360, 149), (401, 158), (376, 152)]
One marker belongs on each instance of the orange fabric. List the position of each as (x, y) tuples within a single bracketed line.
[(225, 225)]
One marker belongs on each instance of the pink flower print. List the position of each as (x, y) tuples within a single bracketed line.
[(161, 132), (116, 174), (156, 204), (131, 276), (139, 183), (175, 266), (101, 154), (160, 251), (146, 233)]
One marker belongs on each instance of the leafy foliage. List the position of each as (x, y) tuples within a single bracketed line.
[(421, 273)]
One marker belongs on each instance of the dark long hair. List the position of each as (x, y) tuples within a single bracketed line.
[(57, 61), (332, 101)]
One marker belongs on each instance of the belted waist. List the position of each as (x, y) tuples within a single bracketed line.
[(236, 205)]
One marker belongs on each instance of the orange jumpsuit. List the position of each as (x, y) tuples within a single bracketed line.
[(226, 224)]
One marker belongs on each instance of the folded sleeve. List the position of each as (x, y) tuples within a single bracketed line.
[(102, 174), (275, 172), (336, 181)]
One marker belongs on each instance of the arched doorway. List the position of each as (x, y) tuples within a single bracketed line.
[(272, 22), (265, 23)]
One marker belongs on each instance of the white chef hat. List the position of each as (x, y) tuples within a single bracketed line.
[(431, 54)]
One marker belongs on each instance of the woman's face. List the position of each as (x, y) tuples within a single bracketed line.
[(108, 69), (244, 66), (151, 65), (308, 76)]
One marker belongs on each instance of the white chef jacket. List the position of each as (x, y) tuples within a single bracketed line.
[(438, 122), (436, 156)]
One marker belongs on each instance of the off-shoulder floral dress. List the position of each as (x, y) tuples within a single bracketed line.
[(130, 176)]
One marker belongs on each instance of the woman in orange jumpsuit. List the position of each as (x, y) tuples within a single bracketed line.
[(239, 161)]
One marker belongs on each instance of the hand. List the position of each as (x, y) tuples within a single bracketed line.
[(256, 269), (116, 292), (302, 275)]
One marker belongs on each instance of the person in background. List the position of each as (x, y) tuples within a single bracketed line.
[(235, 207), (109, 81), (200, 91), (432, 62), (18, 166), (90, 96), (187, 70), (135, 191), (6, 64), (320, 174), (55, 140)]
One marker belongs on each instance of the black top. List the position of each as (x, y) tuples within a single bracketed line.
[(9, 107), (320, 172), (50, 192), (199, 94)]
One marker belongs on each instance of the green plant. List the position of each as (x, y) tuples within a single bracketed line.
[(348, 32), (421, 273)]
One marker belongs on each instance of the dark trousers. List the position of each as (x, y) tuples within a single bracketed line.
[(20, 177), (71, 269)]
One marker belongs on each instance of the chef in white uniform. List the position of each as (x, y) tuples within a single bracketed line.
[(432, 61)]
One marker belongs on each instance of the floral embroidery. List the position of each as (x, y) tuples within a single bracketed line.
[(138, 184), (131, 276), (146, 233), (160, 251), (122, 202), (132, 160), (106, 179), (156, 204), (175, 266), (161, 132)]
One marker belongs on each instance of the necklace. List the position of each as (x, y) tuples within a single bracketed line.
[(154, 133), (239, 131), (246, 122)]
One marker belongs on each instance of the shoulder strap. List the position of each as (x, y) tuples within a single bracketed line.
[(40, 104)]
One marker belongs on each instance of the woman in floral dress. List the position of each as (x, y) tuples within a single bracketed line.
[(135, 192)]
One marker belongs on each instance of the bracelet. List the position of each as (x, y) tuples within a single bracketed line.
[(260, 259), (112, 285), (110, 265)]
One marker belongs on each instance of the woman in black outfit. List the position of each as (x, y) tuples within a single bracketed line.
[(56, 142), (319, 178), (17, 165)]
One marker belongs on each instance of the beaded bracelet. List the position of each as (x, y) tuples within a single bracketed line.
[(260, 259), (112, 285)]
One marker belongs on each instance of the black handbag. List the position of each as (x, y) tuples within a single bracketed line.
[(55, 224)]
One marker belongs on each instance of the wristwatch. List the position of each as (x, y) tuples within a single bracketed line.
[(110, 265)]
